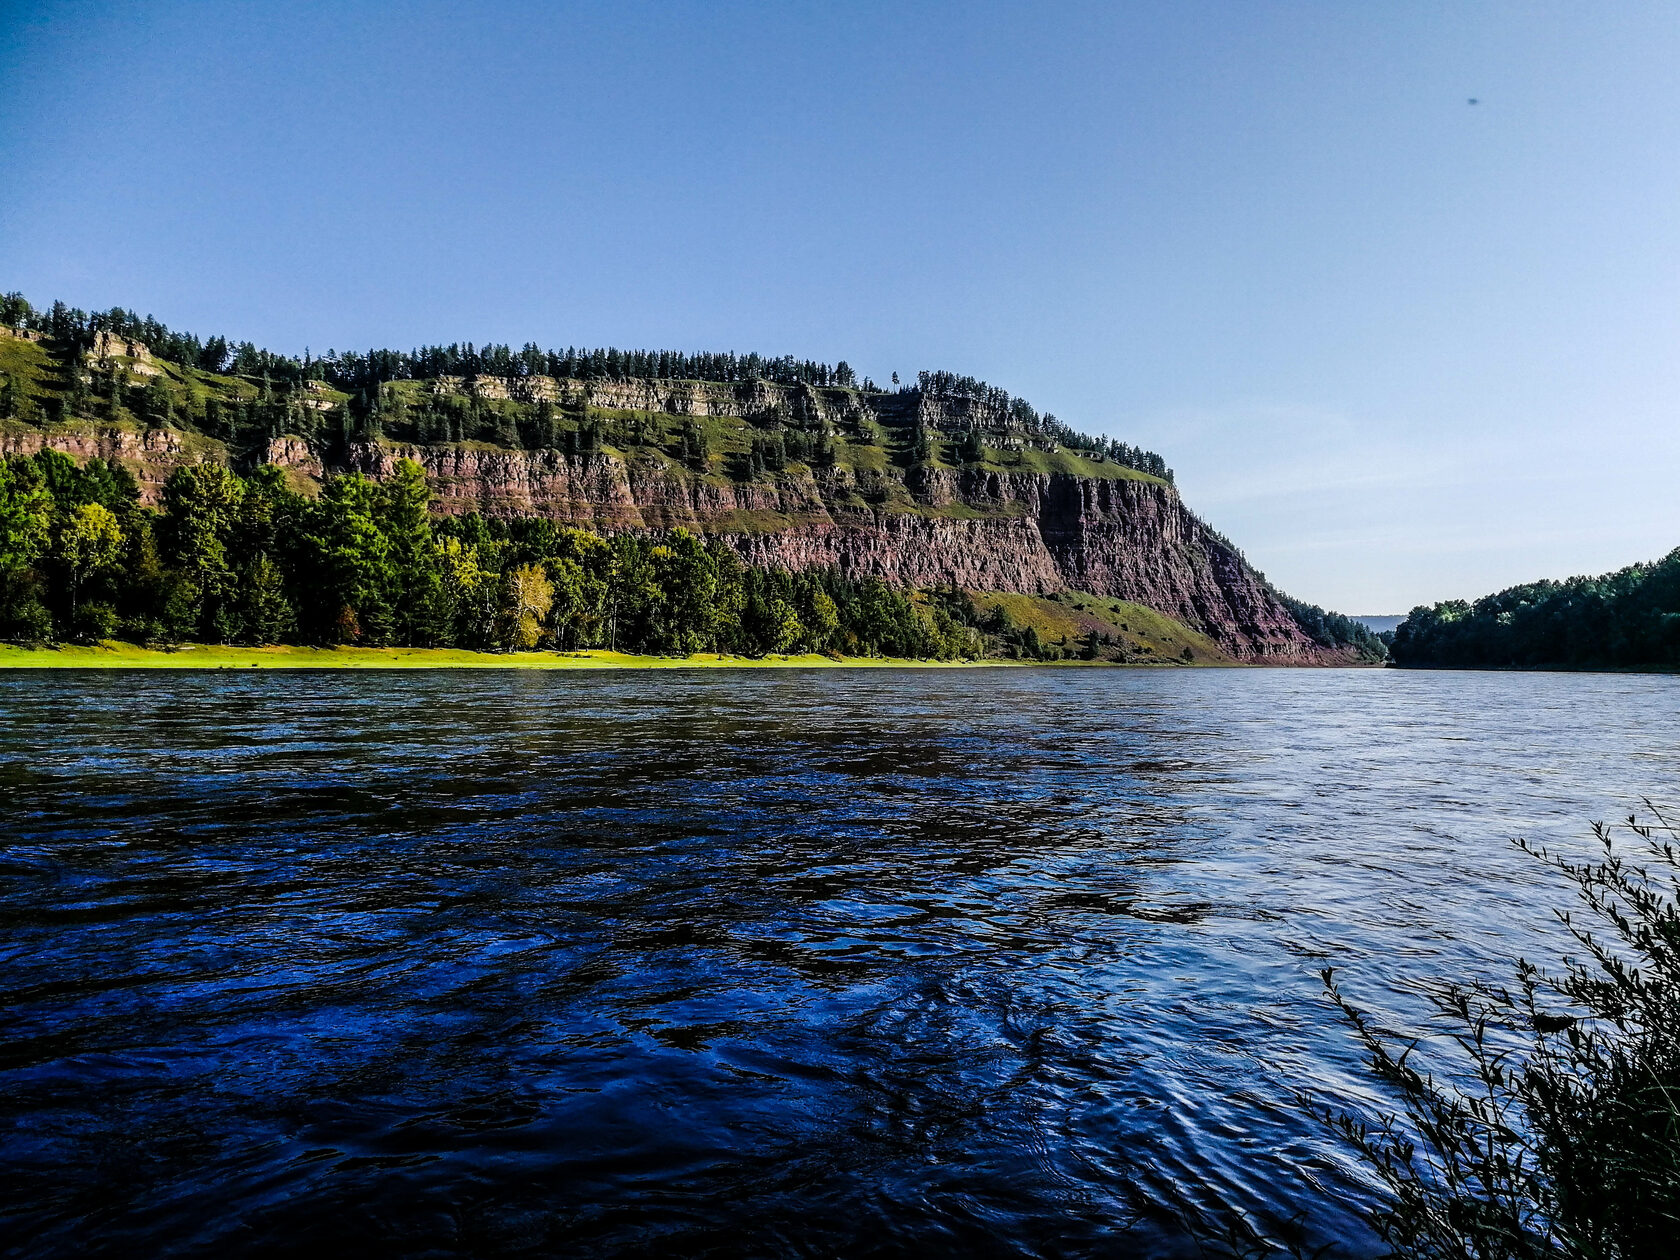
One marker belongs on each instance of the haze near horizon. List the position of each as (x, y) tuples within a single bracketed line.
[(1394, 291)]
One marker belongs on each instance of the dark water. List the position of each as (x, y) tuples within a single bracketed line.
[(767, 963)]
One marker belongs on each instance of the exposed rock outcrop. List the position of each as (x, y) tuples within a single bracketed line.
[(108, 346), (1130, 539), (150, 454), (1033, 532)]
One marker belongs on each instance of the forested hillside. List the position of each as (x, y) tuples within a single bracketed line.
[(116, 366), (593, 465), (231, 559), (1629, 619)]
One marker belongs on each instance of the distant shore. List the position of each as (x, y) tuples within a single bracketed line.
[(114, 655)]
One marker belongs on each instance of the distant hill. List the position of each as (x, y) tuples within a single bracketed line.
[(942, 483), (1376, 625), (1629, 619)]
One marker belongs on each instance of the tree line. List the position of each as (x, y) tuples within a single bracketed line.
[(1335, 630), (1018, 413), (1629, 619), (354, 371), (363, 373), (232, 559)]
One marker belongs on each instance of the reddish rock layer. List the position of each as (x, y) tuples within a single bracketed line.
[(151, 455), (1035, 532), (1002, 531)]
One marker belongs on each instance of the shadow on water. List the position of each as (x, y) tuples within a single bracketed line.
[(981, 963)]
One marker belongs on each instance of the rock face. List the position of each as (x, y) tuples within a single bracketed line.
[(1039, 533), (1034, 532), (107, 346), (151, 455)]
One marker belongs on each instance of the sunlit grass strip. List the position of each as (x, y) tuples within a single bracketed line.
[(117, 655)]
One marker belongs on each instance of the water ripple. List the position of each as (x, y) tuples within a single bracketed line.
[(985, 962)]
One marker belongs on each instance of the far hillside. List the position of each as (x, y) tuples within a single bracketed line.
[(944, 483), (1629, 619), (720, 414)]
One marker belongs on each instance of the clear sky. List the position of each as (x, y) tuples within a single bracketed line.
[(1399, 346)]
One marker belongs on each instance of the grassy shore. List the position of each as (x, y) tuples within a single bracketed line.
[(116, 655)]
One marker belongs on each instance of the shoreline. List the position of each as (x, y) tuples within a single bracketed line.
[(114, 655)]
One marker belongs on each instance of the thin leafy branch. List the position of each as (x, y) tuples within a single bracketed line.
[(1556, 1133)]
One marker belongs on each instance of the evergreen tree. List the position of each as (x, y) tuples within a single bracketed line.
[(351, 556), (157, 405), (201, 509), (266, 612), (412, 555)]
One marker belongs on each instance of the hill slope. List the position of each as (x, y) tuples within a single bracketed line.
[(1629, 619), (949, 483)]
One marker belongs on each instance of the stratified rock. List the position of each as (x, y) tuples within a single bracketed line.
[(998, 531)]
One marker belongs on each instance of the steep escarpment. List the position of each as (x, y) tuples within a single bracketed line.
[(947, 482), (1032, 532), (1129, 539), (150, 454)]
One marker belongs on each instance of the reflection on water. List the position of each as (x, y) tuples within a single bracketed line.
[(998, 962)]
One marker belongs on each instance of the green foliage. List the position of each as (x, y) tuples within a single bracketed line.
[(1555, 1132), (350, 552), (232, 559), (377, 394), (25, 514), (1333, 630), (1629, 619), (202, 506), (61, 543), (86, 545), (157, 403), (694, 447), (1075, 624), (266, 615)]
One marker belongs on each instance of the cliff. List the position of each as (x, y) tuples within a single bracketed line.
[(1130, 539), (920, 489), (150, 454)]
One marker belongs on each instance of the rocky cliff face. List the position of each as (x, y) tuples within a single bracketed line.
[(1034, 532), (151, 454), (1001, 531)]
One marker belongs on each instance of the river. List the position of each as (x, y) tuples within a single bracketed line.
[(981, 962)]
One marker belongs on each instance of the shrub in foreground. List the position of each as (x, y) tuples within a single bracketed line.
[(1563, 1137)]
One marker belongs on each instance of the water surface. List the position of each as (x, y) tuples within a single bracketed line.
[(966, 962)]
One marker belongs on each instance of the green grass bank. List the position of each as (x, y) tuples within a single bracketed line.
[(117, 655)]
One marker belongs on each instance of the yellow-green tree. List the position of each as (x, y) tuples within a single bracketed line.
[(527, 596), (784, 627), (86, 544), (823, 621), (465, 593)]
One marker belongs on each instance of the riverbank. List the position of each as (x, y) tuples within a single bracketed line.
[(116, 655)]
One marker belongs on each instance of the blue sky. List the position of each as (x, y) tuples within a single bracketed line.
[(1399, 347)]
